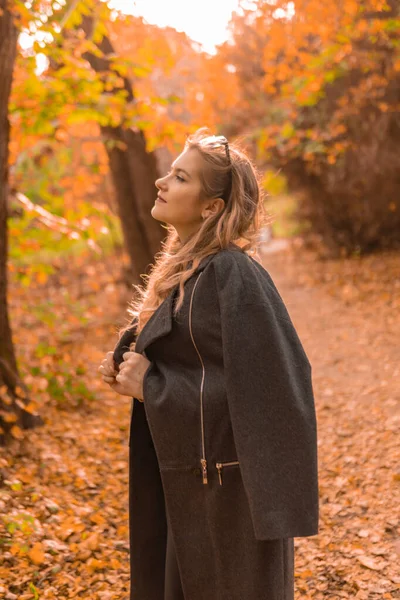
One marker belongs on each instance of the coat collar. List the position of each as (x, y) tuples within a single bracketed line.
[(160, 322)]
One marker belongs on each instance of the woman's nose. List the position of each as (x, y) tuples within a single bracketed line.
[(160, 182)]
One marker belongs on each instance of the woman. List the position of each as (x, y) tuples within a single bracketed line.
[(223, 438)]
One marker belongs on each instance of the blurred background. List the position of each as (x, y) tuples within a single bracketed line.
[(96, 100)]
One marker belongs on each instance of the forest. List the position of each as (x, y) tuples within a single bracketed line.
[(94, 106)]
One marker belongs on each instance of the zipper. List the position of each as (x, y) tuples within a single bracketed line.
[(203, 460), (225, 464)]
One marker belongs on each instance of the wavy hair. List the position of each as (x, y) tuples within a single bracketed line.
[(234, 179)]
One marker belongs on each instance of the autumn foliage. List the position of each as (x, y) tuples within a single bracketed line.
[(321, 92), (313, 89), (312, 86)]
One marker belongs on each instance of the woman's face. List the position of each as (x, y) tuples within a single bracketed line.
[(180, 202)]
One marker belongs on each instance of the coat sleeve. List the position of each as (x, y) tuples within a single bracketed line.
[(271, 405)]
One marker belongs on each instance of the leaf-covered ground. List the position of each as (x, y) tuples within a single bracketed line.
[(347, 314), (64, 486)]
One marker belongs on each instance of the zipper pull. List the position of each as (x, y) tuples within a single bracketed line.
[(219, 469), (204, 470)]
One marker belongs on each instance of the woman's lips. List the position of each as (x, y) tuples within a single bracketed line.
[(161, 199)]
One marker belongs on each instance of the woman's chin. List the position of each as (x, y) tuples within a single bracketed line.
[(158, 213)]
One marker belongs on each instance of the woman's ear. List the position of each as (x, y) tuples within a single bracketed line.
[(214, 208)]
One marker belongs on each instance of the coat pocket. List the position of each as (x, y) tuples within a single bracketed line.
[(222, 465)]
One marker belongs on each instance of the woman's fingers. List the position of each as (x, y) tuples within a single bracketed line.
[(107, 366), (105, 370), (110, 358), (126, 378)]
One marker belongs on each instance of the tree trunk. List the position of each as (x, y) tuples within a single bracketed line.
[(13, 394), (134, 171)]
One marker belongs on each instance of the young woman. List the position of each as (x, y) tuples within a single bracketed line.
[(223, 437)]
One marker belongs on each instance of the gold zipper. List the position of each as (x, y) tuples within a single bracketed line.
[(225, 464), (203, 460)]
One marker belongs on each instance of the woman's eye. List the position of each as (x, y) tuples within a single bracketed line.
[(177, 176)]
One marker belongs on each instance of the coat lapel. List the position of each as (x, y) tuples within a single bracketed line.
[(160, 322)]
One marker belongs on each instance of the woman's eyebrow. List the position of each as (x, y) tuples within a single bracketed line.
[(182, 171)]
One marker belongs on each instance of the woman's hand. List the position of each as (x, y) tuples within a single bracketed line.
[(107, 368), (129, 380)]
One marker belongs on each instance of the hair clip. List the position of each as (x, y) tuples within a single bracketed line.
[(217, 140)]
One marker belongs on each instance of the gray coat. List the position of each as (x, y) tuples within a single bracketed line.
[(224, 446)]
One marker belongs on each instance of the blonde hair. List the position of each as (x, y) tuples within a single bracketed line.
[(237, 182)]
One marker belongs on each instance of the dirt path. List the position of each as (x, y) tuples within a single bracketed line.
[(347, 314)]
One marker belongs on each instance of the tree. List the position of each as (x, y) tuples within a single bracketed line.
[(15, 409), (133, 167)]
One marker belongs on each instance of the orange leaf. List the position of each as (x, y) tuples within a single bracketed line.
[(36, 554), (97, 518), (16, 432)]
